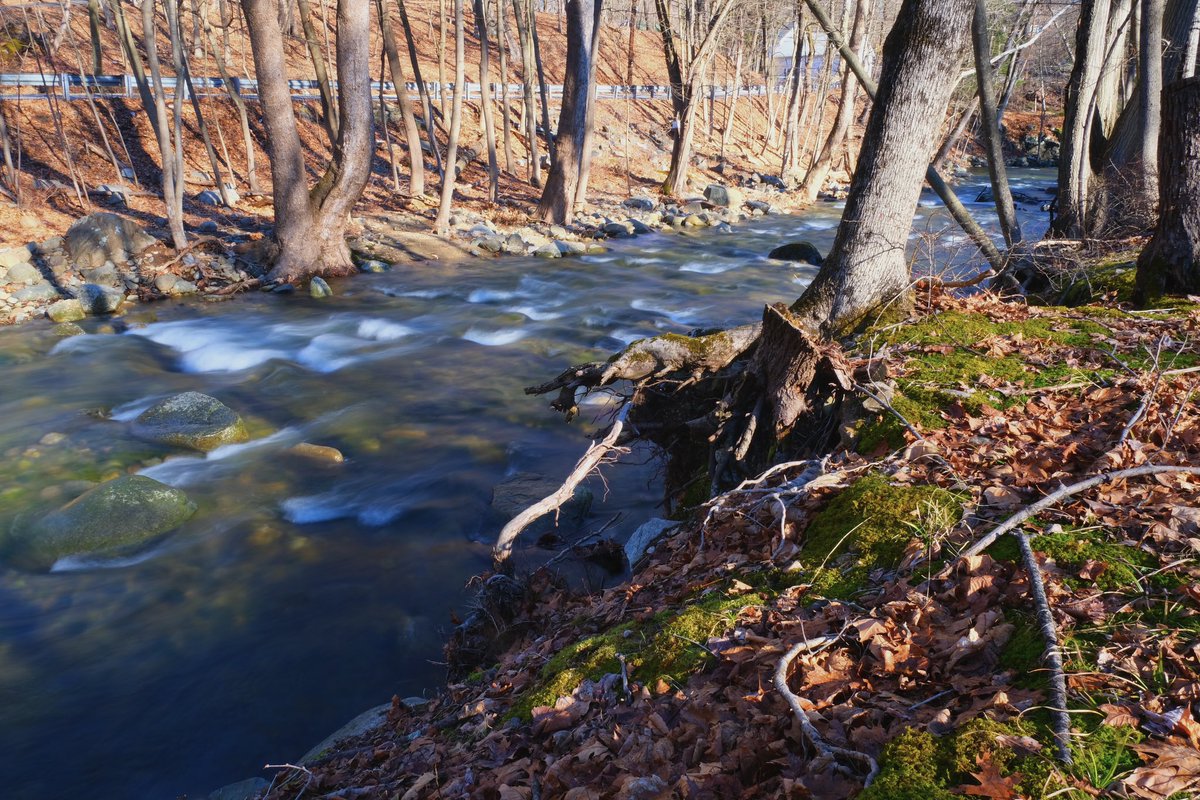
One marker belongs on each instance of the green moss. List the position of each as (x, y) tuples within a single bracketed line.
[(911, 767), (918, 766), (868, 526), (1124, 566), (1022, 653), (1104, 753), (668, 646)]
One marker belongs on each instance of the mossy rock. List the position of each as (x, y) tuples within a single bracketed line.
[(191, 420), (868, 526), (112, 519)]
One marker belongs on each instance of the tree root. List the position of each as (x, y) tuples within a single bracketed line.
[(1053, 656), (823, 748)]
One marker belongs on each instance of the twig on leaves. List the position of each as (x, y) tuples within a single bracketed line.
[(1058, 494), (296, 767), (1061, 722), (824, 748), (590, 460)]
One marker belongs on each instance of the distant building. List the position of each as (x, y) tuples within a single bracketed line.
[(785, 51)]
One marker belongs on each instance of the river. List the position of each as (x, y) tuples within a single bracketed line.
[(302, 593)]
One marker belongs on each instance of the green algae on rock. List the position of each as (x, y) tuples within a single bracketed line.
[(191, 420), (114, 518)]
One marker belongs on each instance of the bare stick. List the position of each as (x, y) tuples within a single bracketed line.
[(590, 460), (814, 737), (1061, 722), (1059, 494)]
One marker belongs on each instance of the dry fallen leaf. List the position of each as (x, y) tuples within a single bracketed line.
[(1174, 770), (991, 783)]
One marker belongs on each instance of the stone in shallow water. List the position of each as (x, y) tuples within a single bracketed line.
[(798, 251), (190, 420), (318, 452), (318, 288), (97, 299), (112, 519), (66, 311)]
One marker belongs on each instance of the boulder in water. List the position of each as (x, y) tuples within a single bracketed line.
[(724, 196), (190, 420), (319, 289), (798, 251), (102, 237), (114, 518)]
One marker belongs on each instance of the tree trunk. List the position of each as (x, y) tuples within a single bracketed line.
[(866, 269), (310, 226), (441, 225), (1075, 174), (505, 105), (485, 101), (529, 116), (815, 178), (442, 55), (787, 164), (422, 89), (240, 105), (328, 104), (1171, 261), (990, 126), (94, 31), (1149, 96), (551, 139), (416, 159), (558, 199)]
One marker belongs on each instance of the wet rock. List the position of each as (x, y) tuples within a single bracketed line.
[(319, 289), (645, 536), (617, 230), (514, 245), (513, 495), (102, 237), (97, 299), (242, 790), (173, 285), (695, 221), (640, 203), (798, 251), (365, 722), (11, 256), (548, 251), (66, 311), (191, 420), (114, 518), (489, 244), (640, 227), (724, 196), (374, 265), (761, 207), (318, 452), (571, 248), (23, 273), (68, 329), (37, 293)]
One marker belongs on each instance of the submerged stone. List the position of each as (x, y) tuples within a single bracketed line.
[(114, 518), (191, 420), (798, 251)]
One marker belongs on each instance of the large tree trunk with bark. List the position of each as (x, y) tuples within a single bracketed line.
[(558, 199), (1171, 261), (866, 269), (310, 225)]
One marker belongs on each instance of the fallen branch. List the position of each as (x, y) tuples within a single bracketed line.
[(1060, 721), (590, 460), (1054, 497), (814, 737)]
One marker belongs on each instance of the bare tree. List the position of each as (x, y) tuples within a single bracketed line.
[(310, 224), (449, 173), (529, 114), (1171, 261), (994, 142), (686, 60), (328, 102), (416, 174), (485, 100), (866, 268), (562, 184)]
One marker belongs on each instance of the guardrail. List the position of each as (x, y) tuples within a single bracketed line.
[(70, 86)]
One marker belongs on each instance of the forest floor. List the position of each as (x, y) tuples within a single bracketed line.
[(913, 664)]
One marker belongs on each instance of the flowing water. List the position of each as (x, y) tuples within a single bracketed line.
[(301, 593)]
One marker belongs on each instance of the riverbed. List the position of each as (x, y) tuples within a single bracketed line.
[(303, 592)]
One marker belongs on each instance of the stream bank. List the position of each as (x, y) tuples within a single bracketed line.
[(662, 686)]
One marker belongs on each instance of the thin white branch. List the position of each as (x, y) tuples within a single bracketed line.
[(1060, 720), (590, 460)]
